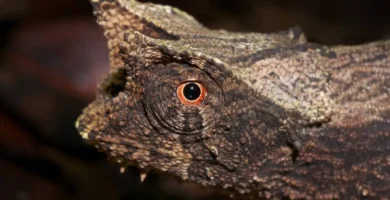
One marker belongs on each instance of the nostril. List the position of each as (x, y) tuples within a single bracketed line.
[(116, 83)]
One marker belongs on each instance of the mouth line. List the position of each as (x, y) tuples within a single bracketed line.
[(109, 144)]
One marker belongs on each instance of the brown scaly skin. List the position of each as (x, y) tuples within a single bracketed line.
[(282, 118)]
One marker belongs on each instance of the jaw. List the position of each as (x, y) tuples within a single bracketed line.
[(128, 148), (126, 135)]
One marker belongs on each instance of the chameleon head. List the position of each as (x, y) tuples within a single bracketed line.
[(170, 106), (180, 112), (237, 110)]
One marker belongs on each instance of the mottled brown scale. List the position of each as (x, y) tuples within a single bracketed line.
[(282, 118)]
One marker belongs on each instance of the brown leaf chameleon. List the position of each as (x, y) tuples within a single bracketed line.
[(266, 116)]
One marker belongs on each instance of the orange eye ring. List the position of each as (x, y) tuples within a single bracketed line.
[(191, 93)]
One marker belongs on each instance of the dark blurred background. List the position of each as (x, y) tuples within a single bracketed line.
[(52, 54)]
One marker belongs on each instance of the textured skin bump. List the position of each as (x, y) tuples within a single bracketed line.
[(282, 118)]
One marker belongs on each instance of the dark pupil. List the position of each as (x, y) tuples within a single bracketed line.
[(191, 91)]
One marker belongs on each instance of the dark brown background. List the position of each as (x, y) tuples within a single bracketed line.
[(52, 54)]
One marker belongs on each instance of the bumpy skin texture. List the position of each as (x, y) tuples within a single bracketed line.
[(282, 118)]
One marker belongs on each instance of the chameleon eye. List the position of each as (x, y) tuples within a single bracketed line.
[(191, 93)]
